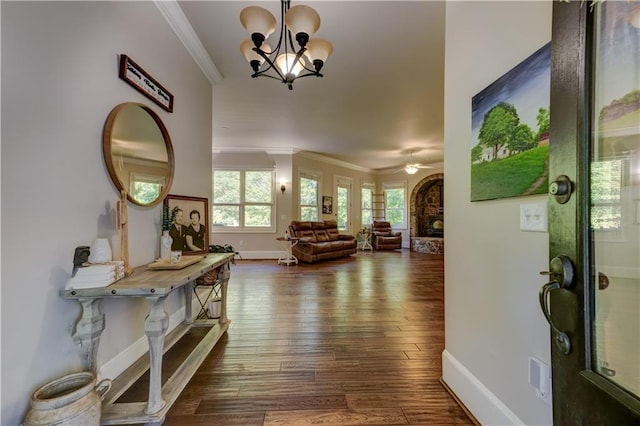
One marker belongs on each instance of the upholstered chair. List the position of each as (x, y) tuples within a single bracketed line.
[(384, 238)]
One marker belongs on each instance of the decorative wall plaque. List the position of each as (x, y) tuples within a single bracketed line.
[(133, 74)]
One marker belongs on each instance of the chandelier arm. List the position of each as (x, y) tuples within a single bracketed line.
[(271, 65), (262, 74), (317, 74)]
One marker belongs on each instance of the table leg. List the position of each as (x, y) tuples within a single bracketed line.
[(188, 297), (223, 276), (88, 331), (155, 327)]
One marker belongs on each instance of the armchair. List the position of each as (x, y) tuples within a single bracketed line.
[(384, 237)]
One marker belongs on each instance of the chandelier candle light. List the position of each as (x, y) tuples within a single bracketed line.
[(298, 21)]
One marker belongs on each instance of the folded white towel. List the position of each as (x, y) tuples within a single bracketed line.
[(95, 270), (75, 283)]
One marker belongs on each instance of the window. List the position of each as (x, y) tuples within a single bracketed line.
[(395, 195), (343, 210), (243, 200), (366, 196), (607, 182), (309, 199)]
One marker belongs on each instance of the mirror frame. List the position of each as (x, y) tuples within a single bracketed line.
[(106, 150)]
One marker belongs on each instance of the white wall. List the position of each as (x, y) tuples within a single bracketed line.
[(59, 83), (492, 319)]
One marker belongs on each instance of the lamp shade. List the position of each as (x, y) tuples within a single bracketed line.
[(246, 47), (285, 64), (302, 19), (318, 48), (256, 19)]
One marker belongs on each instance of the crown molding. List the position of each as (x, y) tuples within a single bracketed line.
[(183, 29), (319, 157), (253, 150)]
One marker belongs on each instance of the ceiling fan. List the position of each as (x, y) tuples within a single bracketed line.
[(412, 168)]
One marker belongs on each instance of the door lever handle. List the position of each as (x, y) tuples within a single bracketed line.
[(561, 338), (561, 274)]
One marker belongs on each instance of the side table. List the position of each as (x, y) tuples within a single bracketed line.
[(288, 245), (364, 242)]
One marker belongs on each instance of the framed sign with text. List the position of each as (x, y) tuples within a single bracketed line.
[(133, 74)]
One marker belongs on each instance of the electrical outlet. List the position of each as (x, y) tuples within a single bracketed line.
[(533, 217), (540, 379)]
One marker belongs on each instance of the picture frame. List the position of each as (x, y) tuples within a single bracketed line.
[(327, 204), (185, 235), (142, 81), (510, 131)]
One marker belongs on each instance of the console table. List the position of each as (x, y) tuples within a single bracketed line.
[(154, 286)]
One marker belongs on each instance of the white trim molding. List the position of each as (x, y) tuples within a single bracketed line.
[(174, 15), (479, 400)]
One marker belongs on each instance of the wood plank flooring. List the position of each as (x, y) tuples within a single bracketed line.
[(346, 342)]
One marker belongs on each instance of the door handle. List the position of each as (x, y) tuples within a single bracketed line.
[(561, 272)]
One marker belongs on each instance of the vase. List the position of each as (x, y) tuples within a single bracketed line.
[(100, 251), (165, 246), (72, 400)]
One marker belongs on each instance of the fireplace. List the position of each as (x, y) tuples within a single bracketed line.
[(435, 226), (427, 215)]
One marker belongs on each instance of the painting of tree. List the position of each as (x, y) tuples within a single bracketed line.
[(510, 131)]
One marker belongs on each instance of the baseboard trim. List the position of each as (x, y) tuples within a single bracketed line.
[(460, 403), (478, 400), (257, 255)]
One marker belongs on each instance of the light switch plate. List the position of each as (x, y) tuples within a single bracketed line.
[(533, 217)]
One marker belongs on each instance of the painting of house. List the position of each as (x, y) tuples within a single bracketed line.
[(510, 131)]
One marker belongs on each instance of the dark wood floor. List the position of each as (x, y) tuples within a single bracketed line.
[(347, 342)]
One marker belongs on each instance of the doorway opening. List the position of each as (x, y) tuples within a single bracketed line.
[(427, 215)]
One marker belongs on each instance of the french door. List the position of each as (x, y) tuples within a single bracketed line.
[(592, 298), (343, 203)]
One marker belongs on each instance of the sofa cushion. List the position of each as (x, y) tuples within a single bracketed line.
[(332, 229), (302, 230), (321, 235)]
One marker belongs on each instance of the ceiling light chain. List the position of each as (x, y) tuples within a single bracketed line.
[(300, 20)]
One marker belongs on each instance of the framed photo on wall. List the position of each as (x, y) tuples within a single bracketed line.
[(190, 229), (327, 204)]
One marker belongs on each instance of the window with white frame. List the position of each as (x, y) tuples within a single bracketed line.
[(243, 200), (343, 202), (395, 196), (366, 197), (309, 196)]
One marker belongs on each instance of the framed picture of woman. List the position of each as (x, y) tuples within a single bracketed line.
[(189, 230)]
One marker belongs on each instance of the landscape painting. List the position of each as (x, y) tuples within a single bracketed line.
[(510, 131)]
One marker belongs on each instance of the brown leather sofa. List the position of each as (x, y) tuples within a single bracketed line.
[(320, 241), (384, 238)]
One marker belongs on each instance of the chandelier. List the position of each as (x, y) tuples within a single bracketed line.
[(284, 62)]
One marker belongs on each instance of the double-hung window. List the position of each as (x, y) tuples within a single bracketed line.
[(396, 211), (243, 200)]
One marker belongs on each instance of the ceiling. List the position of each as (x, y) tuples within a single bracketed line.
[(381, 99)]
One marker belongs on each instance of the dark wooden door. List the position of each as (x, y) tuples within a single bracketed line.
[(594, 213)]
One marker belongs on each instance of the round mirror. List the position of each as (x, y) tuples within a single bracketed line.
[(138, 153)]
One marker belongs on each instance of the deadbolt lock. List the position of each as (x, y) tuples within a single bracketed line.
[(561, 189)]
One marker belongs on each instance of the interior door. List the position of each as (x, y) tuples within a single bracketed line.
[(593, 293)]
